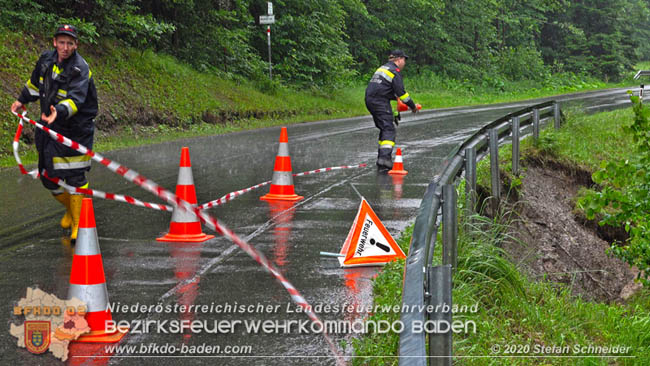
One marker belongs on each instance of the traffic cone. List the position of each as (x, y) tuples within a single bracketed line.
[(282, 181), (403, 107), (87, 281), (185, 226), (398, 165)]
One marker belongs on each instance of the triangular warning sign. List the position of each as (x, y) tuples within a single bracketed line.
[(368, 242)]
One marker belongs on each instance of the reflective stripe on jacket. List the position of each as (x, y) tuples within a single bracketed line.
[(386, 83)]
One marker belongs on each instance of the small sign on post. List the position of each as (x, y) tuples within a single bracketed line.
[(267, 19)]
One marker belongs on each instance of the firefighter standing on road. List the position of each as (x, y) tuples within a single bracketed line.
[(63, 82), (386, 85)]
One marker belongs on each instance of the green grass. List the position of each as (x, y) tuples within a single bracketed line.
[(589, 139), (514, 309), (643, 65)]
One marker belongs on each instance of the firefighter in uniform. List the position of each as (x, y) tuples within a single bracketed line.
[(63, 83), (385, 85)]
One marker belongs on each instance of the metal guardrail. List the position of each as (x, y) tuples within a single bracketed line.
[(425, 284)]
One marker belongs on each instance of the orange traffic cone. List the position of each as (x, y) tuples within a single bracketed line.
[(403, 107), (398, 165), (282, 181), (185, 226), (87, 282)]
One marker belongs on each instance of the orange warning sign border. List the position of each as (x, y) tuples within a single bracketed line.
[(351, 241)]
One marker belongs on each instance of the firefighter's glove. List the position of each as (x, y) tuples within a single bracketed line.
[(396, 118), (414, 110)]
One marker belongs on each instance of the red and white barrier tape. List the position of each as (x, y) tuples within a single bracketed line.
[(232, 195), (362, 165), (16, 143), (91, 192), (108, 196), (209, 221)]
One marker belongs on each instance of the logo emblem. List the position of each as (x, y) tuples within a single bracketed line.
[(37, 336)]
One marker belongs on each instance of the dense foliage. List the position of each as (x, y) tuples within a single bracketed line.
[(320, 42), (624, 197)]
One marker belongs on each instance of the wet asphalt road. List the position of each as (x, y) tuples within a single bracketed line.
[(141, 271)]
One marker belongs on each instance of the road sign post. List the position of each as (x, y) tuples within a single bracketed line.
[(268, 37), (268, 19)]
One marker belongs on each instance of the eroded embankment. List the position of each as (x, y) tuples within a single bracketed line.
[(552, 242)]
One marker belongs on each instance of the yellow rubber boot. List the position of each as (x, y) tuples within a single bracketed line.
[(75, 209), (64, 198)]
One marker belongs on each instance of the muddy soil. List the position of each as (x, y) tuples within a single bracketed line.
[(555, 245)]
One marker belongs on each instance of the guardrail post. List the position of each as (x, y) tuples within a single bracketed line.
[(556, 115), (493, 139), (431, 234), (536, 124), (449, 225), (440, 344), (470, 179), (515, 146)]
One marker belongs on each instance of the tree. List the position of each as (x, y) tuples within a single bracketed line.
[(365, 36), (411, 25), (638, 15), (309, 42), (590, 37), (210, 35)]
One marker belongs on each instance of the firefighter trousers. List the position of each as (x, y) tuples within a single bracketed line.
[(382, 115)]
